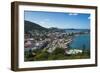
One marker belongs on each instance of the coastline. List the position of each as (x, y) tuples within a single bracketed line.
[(53, 46)]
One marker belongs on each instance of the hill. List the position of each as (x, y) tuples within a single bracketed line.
[(31, 26)]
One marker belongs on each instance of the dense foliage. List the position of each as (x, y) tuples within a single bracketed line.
[(57, 54)]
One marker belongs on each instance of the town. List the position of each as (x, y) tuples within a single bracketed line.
[(49, 42)]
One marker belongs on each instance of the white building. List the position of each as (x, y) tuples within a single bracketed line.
[(74, 51)]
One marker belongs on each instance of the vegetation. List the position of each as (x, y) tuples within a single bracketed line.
[(57, 54), (30, 26), (39, 33)]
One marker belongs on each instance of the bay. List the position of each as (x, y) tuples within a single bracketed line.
[(80, 41)]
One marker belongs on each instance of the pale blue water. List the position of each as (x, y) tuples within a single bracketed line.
[(80, 40)]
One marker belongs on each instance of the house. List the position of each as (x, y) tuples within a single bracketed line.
[(73, 51)]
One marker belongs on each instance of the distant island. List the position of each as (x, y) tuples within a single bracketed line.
[(53, 43)]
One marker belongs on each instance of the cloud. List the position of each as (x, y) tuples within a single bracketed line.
[(42, 22), (89, 17), (46, 19), (74, 14)]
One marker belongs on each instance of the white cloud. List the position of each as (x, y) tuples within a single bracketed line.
[(42, 22), (89, 17), (70, 14), (46, 19), (74, 14)]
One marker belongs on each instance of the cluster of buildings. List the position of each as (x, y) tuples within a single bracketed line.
[(48, 41), (74, 51)]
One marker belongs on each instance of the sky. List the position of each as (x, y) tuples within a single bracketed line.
[(59, 19)]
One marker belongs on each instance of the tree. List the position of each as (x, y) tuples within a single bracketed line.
[(58, 51), (68, 46), (41, 56), (30, 53), (84, 48)]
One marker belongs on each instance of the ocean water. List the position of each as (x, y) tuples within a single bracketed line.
[(80, 40), (76, 31)]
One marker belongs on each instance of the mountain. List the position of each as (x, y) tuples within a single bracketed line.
[(31, 26), (54, 29)]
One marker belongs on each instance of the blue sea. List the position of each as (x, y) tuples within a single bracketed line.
[(80, 41), (76, 30)]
